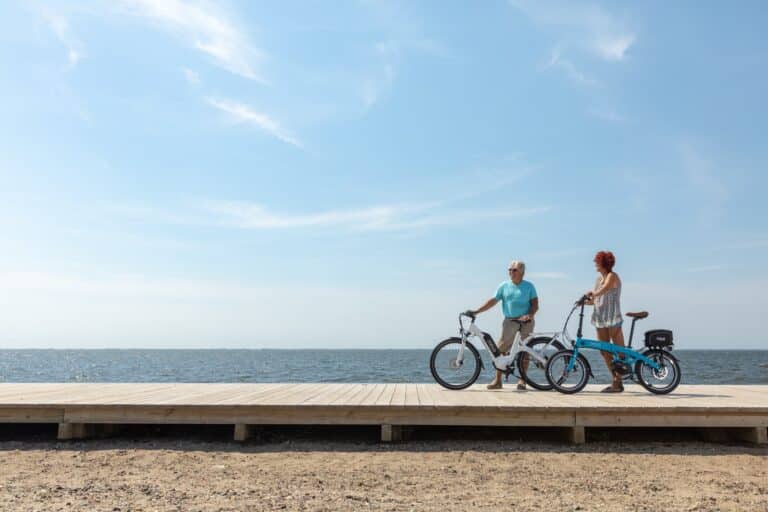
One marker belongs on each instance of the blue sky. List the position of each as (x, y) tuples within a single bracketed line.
[(353, 174)]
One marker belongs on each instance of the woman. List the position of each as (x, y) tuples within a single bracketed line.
[(606, 316)]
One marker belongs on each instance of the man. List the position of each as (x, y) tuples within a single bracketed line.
[(519, 302)]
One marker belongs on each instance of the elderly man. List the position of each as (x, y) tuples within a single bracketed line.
[(519, 303)]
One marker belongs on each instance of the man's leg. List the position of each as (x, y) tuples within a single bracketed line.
[(525, 331), (508, 332)]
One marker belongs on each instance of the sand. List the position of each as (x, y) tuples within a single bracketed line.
[(175, 474)]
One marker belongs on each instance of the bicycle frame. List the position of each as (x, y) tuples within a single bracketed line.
[(500, 361), (631, 356)]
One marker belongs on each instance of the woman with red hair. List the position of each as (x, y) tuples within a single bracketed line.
[(606, 316)]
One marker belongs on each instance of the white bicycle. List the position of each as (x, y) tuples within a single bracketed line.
[(456, 363)]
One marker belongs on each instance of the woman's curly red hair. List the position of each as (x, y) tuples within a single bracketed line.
[(605, 259)]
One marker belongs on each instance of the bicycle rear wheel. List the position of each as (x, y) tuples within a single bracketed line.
[(561, 378), (662, 380), (533, 371), (451, 372)]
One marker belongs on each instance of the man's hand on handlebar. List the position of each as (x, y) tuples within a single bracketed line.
[(470, 313)]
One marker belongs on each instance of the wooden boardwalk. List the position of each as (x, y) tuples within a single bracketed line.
[(77, 408)]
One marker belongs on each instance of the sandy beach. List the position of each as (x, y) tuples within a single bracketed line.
[(175, 474)]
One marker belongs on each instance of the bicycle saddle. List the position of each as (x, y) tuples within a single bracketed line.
[(638, 315)]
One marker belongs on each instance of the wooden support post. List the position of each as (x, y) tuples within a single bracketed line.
[(243, 432), (576, 434), (69, 431), (391, 433), (754, 435)]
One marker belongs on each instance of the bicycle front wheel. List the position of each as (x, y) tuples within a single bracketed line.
[(564, 380), (534, 371), (454, 367), (662, 380)]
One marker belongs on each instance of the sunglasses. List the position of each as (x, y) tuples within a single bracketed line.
[(512, 269)]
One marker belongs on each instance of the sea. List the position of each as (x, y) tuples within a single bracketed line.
[(311, 365)]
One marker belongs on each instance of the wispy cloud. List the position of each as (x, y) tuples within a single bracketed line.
[(60, 26), (387, 56), (589, 27), (244, 114), (206, 29), (411, 217), (556, 61), (710, 193), (376, 218), (614, 48), (193, 77)]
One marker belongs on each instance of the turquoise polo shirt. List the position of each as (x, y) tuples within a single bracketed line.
[(515, 298)]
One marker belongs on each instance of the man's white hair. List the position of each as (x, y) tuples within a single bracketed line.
[(519, 264)]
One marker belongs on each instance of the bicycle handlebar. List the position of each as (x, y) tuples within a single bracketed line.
[(582, 300)]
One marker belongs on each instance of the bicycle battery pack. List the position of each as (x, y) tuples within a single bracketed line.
[(658, 338)]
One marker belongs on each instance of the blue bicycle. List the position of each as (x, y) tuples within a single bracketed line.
[(655, 368)]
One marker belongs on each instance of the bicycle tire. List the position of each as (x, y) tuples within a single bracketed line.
[(670, 363), (521, 357), (561, 359), (434, 364)]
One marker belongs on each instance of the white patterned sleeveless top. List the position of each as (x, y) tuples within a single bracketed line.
[(607, 312)]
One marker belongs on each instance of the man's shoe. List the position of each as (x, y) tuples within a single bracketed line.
[(494, 385)]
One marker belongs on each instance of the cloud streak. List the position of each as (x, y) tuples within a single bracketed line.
[(244, 114), (556, 61), (205, 29), (248, 215), (60, 26), (588, 26)]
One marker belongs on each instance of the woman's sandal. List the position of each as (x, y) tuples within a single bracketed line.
[(612, 389)]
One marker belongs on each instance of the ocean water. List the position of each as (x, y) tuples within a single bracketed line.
[(698, 366)]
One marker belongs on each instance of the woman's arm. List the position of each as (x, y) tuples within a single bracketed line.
[(609, 282)]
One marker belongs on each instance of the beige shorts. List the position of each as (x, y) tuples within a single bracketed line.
[(508, 331)]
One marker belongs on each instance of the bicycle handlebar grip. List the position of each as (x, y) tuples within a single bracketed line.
[(469, 313)]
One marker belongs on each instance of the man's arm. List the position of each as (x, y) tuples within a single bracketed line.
[(488, 305)]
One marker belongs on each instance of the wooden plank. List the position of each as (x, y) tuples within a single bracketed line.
[(386, 396), (355, 398), (253, 393), (376, 393), (31, 414), (347, 391), (425, 399), (327, 393), (398, 398), (660, 419), (411, 396)]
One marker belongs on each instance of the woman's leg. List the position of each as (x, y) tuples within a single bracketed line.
[(603, 334), (617, 338)]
